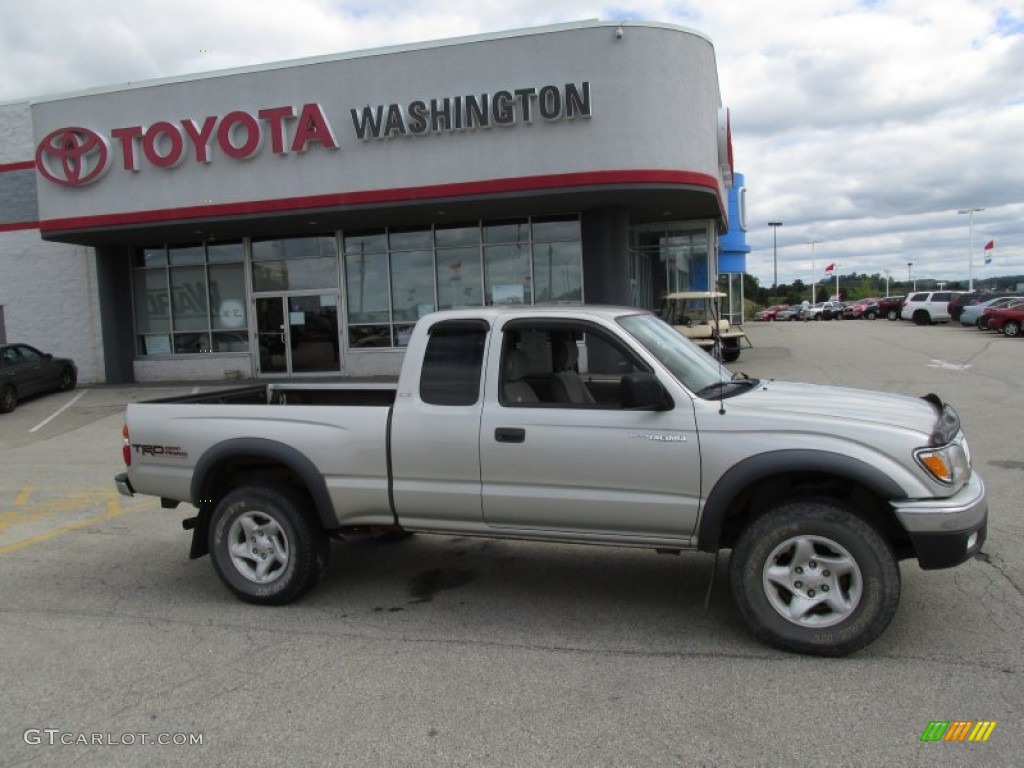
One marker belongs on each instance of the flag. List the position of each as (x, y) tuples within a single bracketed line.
[(989, 247), (829, 268)]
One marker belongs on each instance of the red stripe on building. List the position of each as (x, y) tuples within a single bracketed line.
[(23, 166), (399, 195)]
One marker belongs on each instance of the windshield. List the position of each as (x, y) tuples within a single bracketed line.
[(692, 366)]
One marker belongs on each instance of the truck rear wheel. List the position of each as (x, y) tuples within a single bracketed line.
[(264, 548), (811, 577)]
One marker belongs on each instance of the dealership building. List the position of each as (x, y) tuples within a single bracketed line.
[(298, 218)]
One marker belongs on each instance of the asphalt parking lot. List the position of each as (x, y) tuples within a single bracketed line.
[(445, 651)]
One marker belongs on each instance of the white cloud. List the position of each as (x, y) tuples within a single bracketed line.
[(864, 125)]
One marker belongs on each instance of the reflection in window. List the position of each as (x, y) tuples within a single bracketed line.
[(152, 301), (557, 277), (394, 277), (227, 296), (295, 274), (412, 285), (366, 287), (459, 282), (507, 274), (191, 300)]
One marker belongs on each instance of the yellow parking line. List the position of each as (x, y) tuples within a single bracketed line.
[(114, 509), (23, 496)]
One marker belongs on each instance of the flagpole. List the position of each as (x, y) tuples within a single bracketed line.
[(970, 244), (814, 270)]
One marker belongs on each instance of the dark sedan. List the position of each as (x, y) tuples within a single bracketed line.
[(25, 371)]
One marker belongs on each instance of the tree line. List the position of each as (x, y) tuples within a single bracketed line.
[(854, 286)]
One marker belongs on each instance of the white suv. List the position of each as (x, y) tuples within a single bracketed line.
[(928, 307)]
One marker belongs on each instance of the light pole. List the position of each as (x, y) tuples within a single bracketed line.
[(775, 258), (887, 283), (970, 244), (814, 271), (914, 286)]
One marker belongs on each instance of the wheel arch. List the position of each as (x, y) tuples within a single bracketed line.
[(226, 465), (754, 484)]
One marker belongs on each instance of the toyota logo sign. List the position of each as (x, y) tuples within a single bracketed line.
[(72, 157)]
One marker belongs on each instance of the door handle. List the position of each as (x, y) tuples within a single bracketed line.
[(510, 435)]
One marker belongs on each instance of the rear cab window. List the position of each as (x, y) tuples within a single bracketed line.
[(453, 363)]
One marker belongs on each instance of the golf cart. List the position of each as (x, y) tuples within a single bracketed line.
[(695, 315)]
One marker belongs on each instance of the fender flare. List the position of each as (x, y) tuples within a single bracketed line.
[(262, 448), (740, 476)]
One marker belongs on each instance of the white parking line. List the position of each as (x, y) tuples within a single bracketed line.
[(60, 410)]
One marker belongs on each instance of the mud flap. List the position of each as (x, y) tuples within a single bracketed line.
[(200, 527)]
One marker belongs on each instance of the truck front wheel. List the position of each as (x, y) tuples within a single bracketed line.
[(811, 577), (263, 547)]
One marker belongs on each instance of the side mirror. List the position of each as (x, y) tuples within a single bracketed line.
[(47, 356), (643, 391)]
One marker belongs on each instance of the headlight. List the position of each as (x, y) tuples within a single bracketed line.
[(950, 464)]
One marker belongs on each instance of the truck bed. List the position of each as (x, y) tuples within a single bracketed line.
[(380, 394)]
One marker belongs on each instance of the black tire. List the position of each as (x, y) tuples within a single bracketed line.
[(1011, 328), (68, 380), (893, 314), (8, 399), (269, 521), (982, 323), (813, 533), (922, 318), (871, 315), (730, 353)]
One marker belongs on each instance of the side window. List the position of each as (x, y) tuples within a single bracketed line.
[(919, 297), (942, 296), (562, 365), (29, 355), (453, 362)]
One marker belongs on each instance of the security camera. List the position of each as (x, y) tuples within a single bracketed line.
[(618, 33)]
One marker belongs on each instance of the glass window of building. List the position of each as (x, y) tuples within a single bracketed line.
[(671, 257), (294, 264), (394, 277), (185, 305)]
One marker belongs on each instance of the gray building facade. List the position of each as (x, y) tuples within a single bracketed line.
[(298, 218)]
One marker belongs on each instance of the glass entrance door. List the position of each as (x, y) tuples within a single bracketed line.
[(297, 334)]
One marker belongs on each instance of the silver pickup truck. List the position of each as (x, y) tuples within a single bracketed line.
[(577, 425)]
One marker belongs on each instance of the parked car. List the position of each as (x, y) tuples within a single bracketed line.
[(974, 314), (26, 371), (959, 302), (769, 313), (1007, 320), (815, 311), (789, 313), (862, 308), (890, 306), (832, 310), (927, 307)]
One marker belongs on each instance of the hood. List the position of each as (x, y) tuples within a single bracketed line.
[(841, 403)]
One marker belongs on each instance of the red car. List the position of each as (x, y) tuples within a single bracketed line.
[(770, 312), (1007, 320), (866, 308)]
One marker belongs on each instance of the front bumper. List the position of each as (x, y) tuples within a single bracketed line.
[(946, 532), (124, 485)]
